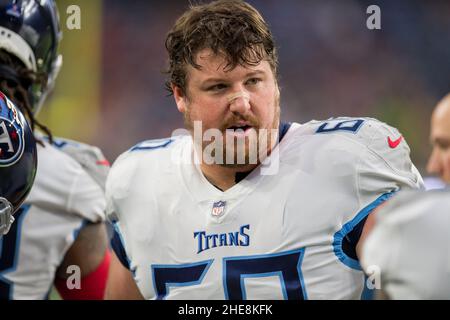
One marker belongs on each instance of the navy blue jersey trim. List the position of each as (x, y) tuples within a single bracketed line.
[(117, 245), (284, 127), (355, 224), (351, 239)]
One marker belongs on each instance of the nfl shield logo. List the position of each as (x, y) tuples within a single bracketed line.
[(218, 208)]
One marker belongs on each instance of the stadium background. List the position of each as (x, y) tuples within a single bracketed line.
[(110, 91)]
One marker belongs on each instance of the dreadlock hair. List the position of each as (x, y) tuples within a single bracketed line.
[(15, 81)]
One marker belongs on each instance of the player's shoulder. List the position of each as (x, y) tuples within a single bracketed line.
[(367, 142), (364, 132), (363, 129), (70, 146), (52, 159), (58, 167), (151, 151), (55, 160), (90, 157), (149, 156)]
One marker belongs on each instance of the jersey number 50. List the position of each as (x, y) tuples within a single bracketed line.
[(285, 265)]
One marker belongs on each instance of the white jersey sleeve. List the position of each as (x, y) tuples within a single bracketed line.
[(369, 159), (383, 162)]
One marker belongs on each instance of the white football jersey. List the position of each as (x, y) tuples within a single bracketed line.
[(63, 198), (286, 231)]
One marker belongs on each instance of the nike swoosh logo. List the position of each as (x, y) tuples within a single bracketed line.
[(103, 163), (394, 143)]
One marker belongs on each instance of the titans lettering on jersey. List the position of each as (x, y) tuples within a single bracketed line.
[(288, 235), (208, 241)]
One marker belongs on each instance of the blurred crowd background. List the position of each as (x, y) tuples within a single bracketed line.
[(111, 88)]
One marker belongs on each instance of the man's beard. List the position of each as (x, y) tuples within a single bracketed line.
[(236, 152)]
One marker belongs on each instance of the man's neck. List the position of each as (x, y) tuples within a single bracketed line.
[(222, 177)]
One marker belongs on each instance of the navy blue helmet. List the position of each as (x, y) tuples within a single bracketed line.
[(18, 154), (29, 30)]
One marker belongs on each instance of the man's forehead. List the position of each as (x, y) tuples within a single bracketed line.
[(212, 64), (207, 57), (440, 124), (442, 113)]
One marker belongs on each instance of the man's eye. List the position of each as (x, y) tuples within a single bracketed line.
[(443, 145), (253, 81), (217, 87)]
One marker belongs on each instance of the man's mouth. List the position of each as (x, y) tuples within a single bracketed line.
[(240, 130), (244, 127)]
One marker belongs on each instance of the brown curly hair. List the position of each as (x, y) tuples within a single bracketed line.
[(230, 27), (15, 81)]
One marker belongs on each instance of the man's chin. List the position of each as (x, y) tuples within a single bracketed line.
[(238, 167), (241, 159), (246, 165)]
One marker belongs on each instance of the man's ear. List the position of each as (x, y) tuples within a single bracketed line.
[(180, 98)]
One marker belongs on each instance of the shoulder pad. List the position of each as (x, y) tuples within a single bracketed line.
[(90, 158)]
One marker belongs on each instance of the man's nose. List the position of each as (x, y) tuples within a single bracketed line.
[(239, 102)]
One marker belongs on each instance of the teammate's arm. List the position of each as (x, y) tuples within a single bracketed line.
[(368, 226), (91, 254), (121, 285)]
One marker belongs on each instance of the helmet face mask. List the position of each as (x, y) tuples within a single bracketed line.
[(6, 218), (38, 92), (29, 30)]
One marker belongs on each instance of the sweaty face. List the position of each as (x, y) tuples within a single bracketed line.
[(439, 162), (242, 104)]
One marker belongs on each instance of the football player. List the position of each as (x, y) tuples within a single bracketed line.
[(197, 217), (439, 162), (61, 223), (18, 161), (409, 247)]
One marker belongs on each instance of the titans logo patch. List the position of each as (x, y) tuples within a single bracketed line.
[(11, 141)]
